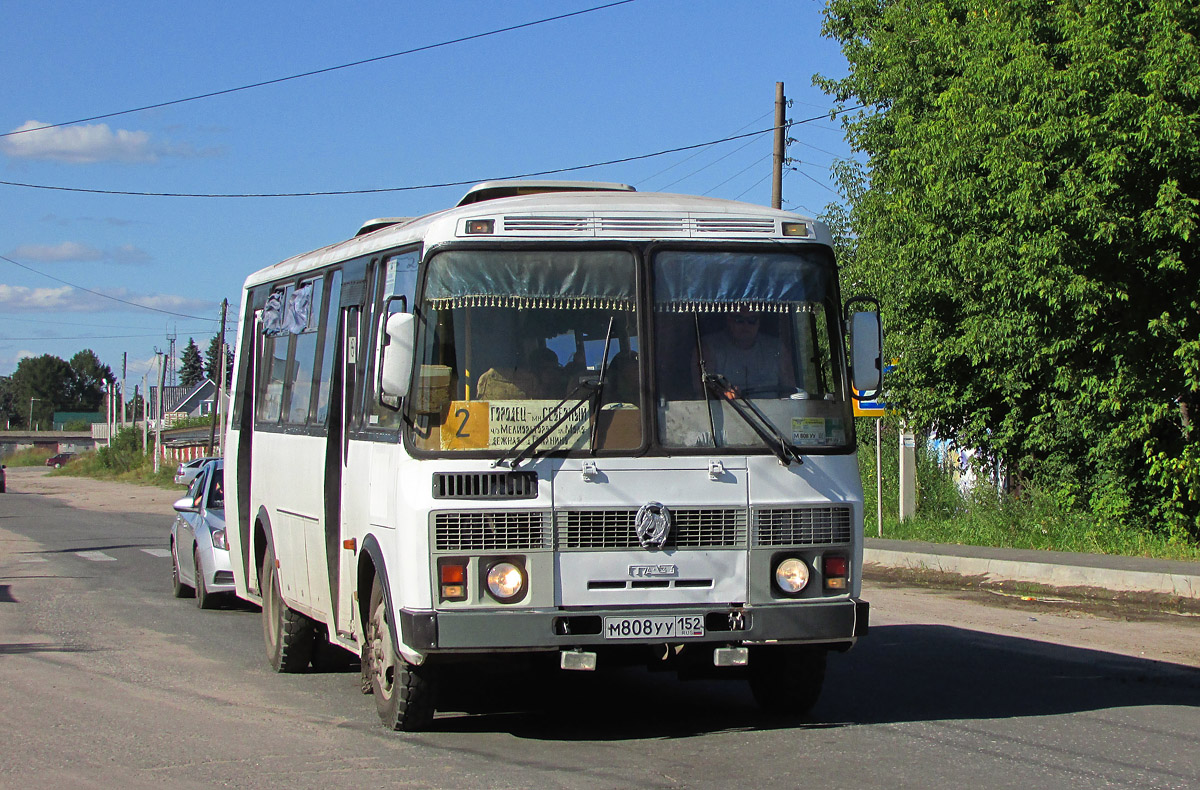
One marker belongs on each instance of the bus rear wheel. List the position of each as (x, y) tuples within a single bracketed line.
[(404, 692), (786, 680), (287, 633)]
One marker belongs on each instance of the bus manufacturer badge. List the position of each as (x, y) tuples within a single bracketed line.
[(652, 524)]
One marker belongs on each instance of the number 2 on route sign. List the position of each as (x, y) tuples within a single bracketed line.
[(466, 426)]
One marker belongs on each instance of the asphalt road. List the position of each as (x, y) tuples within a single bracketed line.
[(108, 681)]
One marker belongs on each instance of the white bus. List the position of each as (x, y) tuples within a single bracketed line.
[(559, 419)]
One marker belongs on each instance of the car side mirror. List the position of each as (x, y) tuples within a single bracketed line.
[(185, 506), (396, 369), (866, 350)]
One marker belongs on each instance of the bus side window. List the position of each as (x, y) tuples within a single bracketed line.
[(328, 336), (399, 273)]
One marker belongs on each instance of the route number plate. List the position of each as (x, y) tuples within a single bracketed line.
[(685, 626)]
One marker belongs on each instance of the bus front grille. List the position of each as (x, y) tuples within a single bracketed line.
[(479, 530), (614, 529), (802, 526), (485, 485)]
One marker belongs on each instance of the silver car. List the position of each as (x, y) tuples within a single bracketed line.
[(199, 552), (188, 470)]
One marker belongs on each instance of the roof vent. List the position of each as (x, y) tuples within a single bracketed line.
[(490, 190), (372, 225)]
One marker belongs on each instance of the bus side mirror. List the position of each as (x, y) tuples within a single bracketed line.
[(866, 354), (396, 370)]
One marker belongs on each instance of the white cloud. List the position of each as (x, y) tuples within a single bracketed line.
[(58, 253), (85, 144), (66, 299), (75, 252)]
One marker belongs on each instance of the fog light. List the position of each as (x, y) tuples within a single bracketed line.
[(791, 575), (452, 576), (506, 582), (835, 572)]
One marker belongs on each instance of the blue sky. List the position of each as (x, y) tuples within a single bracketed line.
[(634, 79)]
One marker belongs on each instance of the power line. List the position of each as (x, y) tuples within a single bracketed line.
[(416, 187), (315, 72), (82, 337), (105, 296)]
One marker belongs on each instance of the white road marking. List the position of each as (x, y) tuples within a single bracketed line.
[(33, 559), (95, 556), (158, 552)]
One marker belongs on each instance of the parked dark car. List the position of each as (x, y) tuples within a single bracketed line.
[(57, 461)]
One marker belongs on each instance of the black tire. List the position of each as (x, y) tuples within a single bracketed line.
[(180, 589), (287, 633), (204, 599), (787, 680), (404, 693)]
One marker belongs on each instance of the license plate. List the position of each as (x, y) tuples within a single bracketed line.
[(684, 626)]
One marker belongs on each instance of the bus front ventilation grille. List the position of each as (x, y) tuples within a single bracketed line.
[(706, 528), (491, 531), (485, 485), (736, 225), (802, 526)]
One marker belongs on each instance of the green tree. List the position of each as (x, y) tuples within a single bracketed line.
[(91, 377), (191, 371), (1028, 211), (212, 365), (41, 386)]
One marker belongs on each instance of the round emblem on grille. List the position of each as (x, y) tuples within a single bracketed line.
[(652, 524)]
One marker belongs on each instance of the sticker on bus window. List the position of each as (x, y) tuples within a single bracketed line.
[(478, 425), (466, 426)]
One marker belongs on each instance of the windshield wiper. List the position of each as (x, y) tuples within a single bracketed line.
[(595, 384), (585, 383), (784, 450)]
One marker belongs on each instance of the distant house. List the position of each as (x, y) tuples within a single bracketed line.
[(180, 403)]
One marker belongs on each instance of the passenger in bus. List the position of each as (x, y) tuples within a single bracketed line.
[(753, 361), (536, 374)]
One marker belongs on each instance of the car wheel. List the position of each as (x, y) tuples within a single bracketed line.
[(181, 590), (404, 692), (58, 466), (287, 633), (787, 680), (204, 599)]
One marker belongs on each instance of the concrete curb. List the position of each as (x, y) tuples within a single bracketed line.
[(1182, 585)]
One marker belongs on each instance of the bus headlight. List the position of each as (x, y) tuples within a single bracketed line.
[(506, 582), (791, 575)]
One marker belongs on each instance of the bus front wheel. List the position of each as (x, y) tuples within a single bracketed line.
[(786, 680), (287, 633), (404, 692)]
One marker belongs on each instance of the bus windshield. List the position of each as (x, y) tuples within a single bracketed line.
[(753, 328), (528, 346)]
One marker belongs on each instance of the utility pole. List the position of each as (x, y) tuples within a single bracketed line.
[(124, 373), (162, 378), (780, 144), (220, 382)]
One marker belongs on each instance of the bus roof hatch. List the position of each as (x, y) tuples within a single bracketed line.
[(490, 190)]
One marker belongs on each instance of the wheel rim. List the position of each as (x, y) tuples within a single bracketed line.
[(381, 656), (174, 566), (271, 604), (198, 573)]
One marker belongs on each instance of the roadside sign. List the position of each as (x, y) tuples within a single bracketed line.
[(872, 408)]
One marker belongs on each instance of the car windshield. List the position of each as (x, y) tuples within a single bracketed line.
[(757, 327), (513, 342)]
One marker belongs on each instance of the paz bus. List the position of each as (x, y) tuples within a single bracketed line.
[(564, 421)]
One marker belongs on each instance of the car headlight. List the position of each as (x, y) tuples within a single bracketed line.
[(791, 575), (506, 582), (218, 539)]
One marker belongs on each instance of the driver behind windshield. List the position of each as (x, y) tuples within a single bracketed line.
[(753, 361)]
